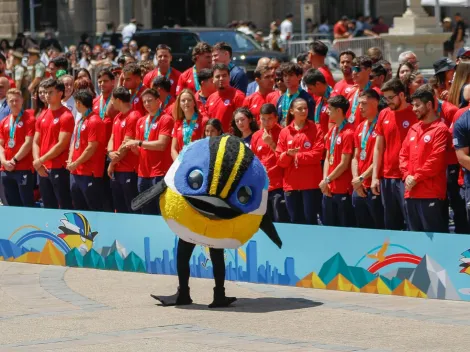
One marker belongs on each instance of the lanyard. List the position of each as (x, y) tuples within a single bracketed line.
[(356, 102), (79, 128), (105, 107), (320, 106), (335, 136), (136, 92), (189, 128), (196, 81), (167, 76), (286, 101), (157, 114), (165, 103), (365, 136), (231, 65), (14, 124), (439, 107)]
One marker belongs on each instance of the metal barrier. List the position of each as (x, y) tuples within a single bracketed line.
[(294, 48), (360, 45)]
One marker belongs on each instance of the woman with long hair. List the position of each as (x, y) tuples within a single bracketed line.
[(412, 82), (213, 128), (461, 79), (404, 69), (39, 102), (299, 152), (244, 125)]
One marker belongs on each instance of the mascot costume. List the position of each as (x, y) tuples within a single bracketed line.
[(214, 194)]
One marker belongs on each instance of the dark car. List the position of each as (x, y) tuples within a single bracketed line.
[(246, 51)]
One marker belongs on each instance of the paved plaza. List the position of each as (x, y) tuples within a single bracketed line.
[(48, 308)]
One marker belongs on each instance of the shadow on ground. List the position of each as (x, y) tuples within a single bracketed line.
[(260, 305)]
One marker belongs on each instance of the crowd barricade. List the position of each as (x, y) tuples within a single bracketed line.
[(296, 47), (360, 45)]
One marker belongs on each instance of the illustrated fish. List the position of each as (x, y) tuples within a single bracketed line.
[(215, 194), (76, 232)]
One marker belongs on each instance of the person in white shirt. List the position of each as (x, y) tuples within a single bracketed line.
[(69, 101), (128, 31), (287, 28)]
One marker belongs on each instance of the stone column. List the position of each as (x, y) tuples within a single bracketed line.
[(143, 12), (125, 11), (9, 19), (103, 12)]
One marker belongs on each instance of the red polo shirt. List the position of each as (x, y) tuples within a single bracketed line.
[(423, 156), (174, 77), (343, 87), (254, 102), (268, 157), (186, 81), (328, 76), (137, 103), (324, 117), (363, 165), (393, 126), (154, 163), (344, 145), (357, 118), (302, 171), (108, 118), (222, 104), (125, 126), (93, 129), (49, 127), (273, 97), (24, 128), (198, 131)]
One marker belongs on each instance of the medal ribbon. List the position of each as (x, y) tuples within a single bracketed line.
[(196, 80), (365, 136), (135, 94), (335, 136), (103, 108), (157, 115), (14, 124), (320, 106), (167, 76), (189, 128), (286, 101), (79, 128), (356, 100), (231, 65), (439, 107)]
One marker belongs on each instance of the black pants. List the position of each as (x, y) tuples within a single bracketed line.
[(124, 189), (55, 189), (369, 210), (426, 215), (19, 188), (393, 200), (185, 250), (86, 192), (338, 211)]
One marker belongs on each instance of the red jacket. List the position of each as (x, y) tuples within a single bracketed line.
[(423, 156), (268, 157), (302, 171)]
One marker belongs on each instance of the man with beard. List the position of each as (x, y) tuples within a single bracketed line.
[(344, 86), (164, 59), (393, 124), (132, 80), (423, 165), (202, 58), (226, 99)]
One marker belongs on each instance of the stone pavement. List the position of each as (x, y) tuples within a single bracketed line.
[(48, 308)]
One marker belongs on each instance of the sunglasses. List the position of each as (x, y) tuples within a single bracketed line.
[(356, 69)]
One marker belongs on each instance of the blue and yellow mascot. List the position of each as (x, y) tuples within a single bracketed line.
[(215, 194)]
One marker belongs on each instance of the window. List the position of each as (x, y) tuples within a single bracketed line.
[(179, 42), (238, 41)]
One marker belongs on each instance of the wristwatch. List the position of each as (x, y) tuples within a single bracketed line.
[(361, 178), (327, 180), (140, 143)]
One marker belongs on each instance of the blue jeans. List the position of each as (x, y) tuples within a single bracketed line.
[(55, 189), (338, 210), (369, 211), (86, 192), (124, 189), (19, 188), (144, 183), (304, 206)]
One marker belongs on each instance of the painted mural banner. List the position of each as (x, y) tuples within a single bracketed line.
[(422, 265)]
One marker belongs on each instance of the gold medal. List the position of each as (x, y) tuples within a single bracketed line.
[(332, 159)]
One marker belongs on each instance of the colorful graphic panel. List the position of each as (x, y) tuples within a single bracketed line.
[(422, 265)]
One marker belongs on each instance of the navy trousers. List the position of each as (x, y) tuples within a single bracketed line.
[(144, 183), (369, 211), (55, 189), (19, 188), (393, 200), (338, 211), (106, 191), (456, 201), (277, 210), (124, 189), (86, 192), (304, 206), (426, 215)]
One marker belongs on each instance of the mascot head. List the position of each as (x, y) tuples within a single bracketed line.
[(215, 194)]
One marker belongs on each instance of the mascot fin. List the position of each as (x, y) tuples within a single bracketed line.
[(268, 228), (148, 195)]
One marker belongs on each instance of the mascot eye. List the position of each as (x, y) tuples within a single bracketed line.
[(195, 179), (244, 195)]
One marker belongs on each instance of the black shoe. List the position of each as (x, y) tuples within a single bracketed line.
[(220, 300), (180, 298)]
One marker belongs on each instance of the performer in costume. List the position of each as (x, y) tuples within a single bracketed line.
[(215, 194)]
